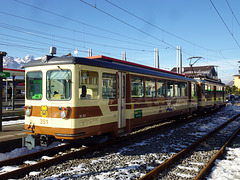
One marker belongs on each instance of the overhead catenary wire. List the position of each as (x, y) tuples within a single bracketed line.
[(98, 28), (108, 14), (225, 23), (71, 44), (233, 13), (133, 26), (163, 30), (43, 35), (59, 15)]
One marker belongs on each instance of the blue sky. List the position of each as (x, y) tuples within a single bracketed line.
[(31, 27)]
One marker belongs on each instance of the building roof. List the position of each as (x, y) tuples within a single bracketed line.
[(198, 71), (14, 72), (195, 68)]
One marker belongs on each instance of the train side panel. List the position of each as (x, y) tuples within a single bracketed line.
[(73, 98)]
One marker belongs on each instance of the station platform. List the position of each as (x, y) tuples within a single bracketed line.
[(10, 112), (11, 135)]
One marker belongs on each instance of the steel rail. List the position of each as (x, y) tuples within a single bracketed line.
[(156, 171), (210, 164), (47, 163), (35, 155)]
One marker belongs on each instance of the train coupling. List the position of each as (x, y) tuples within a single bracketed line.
[(29, 142), (45, 140)]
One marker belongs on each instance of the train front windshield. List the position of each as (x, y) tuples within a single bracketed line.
[(58, 85), (34, 85)]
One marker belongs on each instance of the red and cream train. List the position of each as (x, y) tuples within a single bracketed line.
[(72, 98)]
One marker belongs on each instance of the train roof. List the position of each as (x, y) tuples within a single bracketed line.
[(102, 61), (105, 58)]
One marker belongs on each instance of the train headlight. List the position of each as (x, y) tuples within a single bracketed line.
[(28, 112), (63, 114)]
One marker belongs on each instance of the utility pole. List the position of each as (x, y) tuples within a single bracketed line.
[(2, 54), (179, 60), (89, 52), (124, 56), (156, 58)]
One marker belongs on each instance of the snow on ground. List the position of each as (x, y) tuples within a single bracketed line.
[(5, 123), (24, 150), (226, 169)]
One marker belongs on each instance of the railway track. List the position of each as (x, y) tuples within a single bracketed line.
[(70, 153), (170, 168)]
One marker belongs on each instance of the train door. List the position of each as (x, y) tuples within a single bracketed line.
[(121, 100), (223, 94), (214, 93)]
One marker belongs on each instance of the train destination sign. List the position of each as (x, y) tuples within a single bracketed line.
[(4, 74)]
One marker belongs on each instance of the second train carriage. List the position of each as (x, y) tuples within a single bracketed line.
[(72, 98), (211, 94)]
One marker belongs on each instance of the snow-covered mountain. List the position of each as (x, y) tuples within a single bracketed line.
[(17, 63)]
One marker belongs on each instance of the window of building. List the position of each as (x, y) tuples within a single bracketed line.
[(137, 87), (59, 85), (170, 88), (34, 85), (108, 86), (88, 85), (161, 88), (150, 87)]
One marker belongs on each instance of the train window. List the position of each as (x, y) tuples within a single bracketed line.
[(137, 87), (177, 89), (203, 88), (108, 86), (150, 87), (218, 91), (193, 87), (206, 87), (59, 85), (184, 89), (34, 85), (161, 88), (88, 85), (170, 88)]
